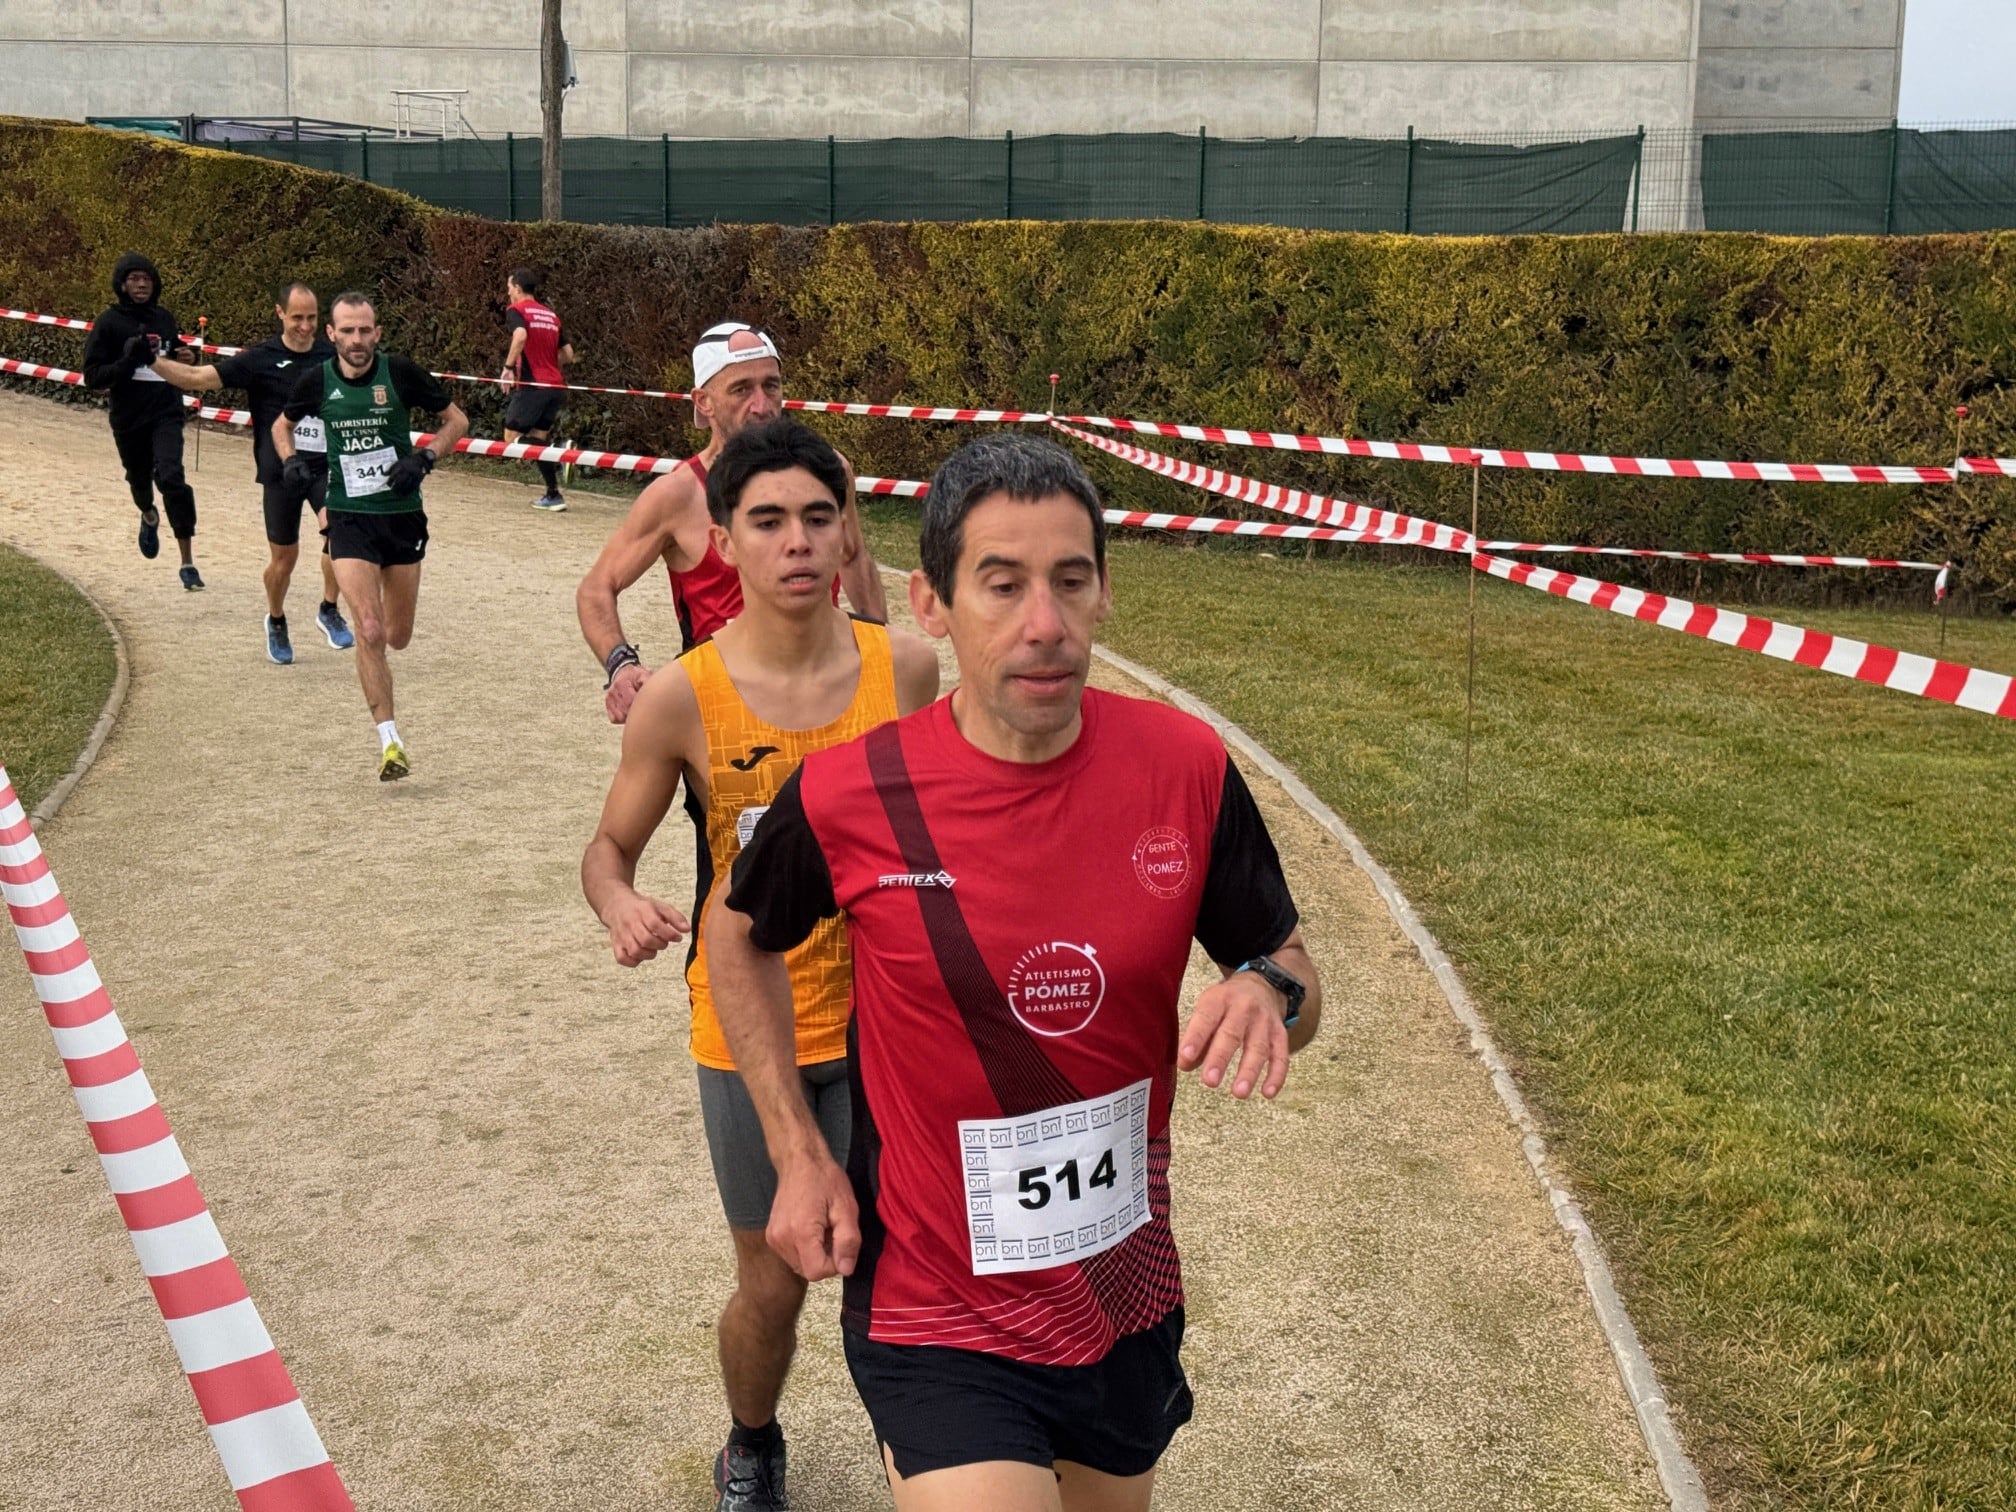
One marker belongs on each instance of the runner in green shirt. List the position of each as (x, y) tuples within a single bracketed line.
[(377, 525)]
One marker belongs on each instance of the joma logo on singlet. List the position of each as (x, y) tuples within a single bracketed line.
[(915, 879)]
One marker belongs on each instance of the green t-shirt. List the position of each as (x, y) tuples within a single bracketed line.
[(366, 423)]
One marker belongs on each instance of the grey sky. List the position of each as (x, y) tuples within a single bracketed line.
[(1957, 61)]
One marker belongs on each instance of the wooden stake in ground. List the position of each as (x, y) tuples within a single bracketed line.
[(1470, 677), (1945, 593)]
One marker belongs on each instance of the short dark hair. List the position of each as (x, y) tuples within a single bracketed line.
[(1022, 467), (351, 297), (773, 446), (287, 292), (527, 279)]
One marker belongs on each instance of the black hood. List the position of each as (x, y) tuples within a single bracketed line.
[(133, 262)]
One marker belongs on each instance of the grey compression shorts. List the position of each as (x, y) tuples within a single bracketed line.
[(742, 1168)]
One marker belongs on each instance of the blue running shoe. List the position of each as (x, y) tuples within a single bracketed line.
[(338, 634), (191, 578), (278, 647), (150, 534)]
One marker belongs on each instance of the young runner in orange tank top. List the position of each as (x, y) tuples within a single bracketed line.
[(791, 675)]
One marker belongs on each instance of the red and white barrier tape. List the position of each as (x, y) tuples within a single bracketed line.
[(1388, 528), (273, 1457), (1948, 682), (1399, 451), (1577, 462), (1762, 558)]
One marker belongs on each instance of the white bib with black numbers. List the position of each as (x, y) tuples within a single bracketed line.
[(308, 436), (364, 472), (1052, 1187)]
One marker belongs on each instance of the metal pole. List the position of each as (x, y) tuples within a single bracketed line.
[(1638, 179), (510, 176), (364, 157), (832, 195), (1407, 210), (1009, 214), (1890, 198), (1959, 451), (1470, 677), (1200, 173), (665, 157)]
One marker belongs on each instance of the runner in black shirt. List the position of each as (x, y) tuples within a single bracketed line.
[(268, 373)]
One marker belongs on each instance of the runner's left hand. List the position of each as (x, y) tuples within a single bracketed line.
[(1240, 1016), (404, 476)]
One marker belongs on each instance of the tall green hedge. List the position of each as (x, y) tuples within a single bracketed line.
[(1837, 349)]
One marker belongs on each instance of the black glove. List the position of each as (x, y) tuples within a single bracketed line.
[(296, 473), (407, 472), (138, 352)]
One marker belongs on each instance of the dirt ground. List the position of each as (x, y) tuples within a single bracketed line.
[(456, 1150)]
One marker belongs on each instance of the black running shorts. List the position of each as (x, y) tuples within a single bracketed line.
[(532, 409), (283, 504), (390, 540), (937, 1408)]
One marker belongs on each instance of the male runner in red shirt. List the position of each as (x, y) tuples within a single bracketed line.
[(1022, 867), (539, 351), (737, 382)]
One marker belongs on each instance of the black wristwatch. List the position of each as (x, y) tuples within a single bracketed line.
[(625, 655), (1285, 983)]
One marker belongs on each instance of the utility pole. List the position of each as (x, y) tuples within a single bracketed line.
[(552, 96)]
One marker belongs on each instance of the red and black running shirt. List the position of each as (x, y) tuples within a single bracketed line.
[(1020, 933), (539, 358)]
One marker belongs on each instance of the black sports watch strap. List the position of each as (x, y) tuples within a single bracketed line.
[(1286, 983), (624, 655)]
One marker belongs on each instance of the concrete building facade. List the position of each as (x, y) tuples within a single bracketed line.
[(869, 68)]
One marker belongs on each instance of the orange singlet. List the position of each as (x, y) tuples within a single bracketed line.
[(747, 761)]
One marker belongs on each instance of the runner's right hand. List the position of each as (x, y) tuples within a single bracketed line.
[(815, 1225), (623, 690), (640, 927), (296, 473)]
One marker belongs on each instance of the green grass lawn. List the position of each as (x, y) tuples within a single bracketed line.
[(56, 668), (1749, 931)]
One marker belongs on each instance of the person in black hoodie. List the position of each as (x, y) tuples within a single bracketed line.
[(147, 413)]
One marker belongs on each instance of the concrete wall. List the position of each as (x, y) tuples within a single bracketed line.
[(951, 67)]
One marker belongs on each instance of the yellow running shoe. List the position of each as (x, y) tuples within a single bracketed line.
[(393, 764)]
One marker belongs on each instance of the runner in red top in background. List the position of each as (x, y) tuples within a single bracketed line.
[(539, 352), (1022, 867), (737, 382)]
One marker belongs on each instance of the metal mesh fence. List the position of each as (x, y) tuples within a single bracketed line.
[(1810, 182)]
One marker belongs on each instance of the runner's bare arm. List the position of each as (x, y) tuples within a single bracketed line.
[(656, 747), (859, 579), (454, 426), (283, 438), (650, 533), (1242, 1016), (815, 1225), (915, 662), (197, 380), (510, 374), (566, 354)]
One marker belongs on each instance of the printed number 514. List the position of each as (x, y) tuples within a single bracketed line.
[(1036, 1183)]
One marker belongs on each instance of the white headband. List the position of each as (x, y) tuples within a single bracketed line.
[(711, 352)]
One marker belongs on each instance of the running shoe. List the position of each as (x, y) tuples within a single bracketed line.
[(552, 503), (334, 630), (191, 578), (749, 1481), (150, 534), (393, 764), (278, 647)]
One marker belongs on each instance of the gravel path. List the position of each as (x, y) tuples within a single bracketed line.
[(456, 1150)]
